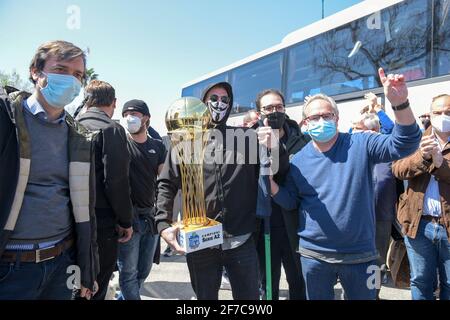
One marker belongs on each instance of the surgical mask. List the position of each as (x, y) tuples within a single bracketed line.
[(304, 129), (133, 124), (322, 131), (61, 89), (441, 123), (275, 119), (218, 110)]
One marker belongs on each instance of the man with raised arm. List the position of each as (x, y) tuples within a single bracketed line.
[(330, 180)]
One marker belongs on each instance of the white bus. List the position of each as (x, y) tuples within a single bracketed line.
[(340, 56)]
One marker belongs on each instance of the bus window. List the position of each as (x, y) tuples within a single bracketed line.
[(441, 63), (347, 58), (406, 48), (250, 79), (197, 89)]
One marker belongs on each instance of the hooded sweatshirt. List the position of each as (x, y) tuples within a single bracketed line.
[(230, 189)]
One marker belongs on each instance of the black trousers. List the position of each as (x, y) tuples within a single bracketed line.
[(281, 253), (107, 250), (205, 269), (382, 241)]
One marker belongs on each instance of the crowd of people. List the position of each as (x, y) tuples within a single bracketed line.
[(85, 192)]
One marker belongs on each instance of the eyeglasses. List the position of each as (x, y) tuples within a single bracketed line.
[(272, 108), (215, 98), (325, 117)]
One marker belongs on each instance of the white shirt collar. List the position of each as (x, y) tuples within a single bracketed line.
[(34, 106), (36, 109)]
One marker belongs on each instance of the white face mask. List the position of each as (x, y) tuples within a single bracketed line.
[(133, 123), (441, 123), (218, 110)]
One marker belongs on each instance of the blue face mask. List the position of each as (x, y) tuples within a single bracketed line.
[(322, 131), (61, 89)]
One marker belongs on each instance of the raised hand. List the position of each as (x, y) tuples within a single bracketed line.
[(395, 88), (268, 136), (371, 98)]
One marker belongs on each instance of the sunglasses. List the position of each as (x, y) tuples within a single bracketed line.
[(215, 98)]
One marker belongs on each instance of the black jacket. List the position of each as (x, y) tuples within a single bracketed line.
[(230, 192), (9, 159), (230, 189), (296, 140), (15, 163), (112, 163)]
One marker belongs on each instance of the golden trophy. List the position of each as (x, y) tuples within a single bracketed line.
[(187, 121)]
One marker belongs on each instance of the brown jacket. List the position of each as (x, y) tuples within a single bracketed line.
[(418, 172)]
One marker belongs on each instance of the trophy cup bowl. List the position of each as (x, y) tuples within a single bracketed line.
[(187, 121)]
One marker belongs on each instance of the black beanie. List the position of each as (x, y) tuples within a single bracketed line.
[(136, 105)]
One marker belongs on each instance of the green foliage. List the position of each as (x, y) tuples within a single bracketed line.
[(13, 79), (91, 75)]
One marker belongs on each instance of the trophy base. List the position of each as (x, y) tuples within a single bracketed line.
[(194, 238)]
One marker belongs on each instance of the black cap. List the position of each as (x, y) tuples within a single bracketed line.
[(136, 105)]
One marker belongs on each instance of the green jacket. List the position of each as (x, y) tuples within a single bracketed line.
[(15, 162)]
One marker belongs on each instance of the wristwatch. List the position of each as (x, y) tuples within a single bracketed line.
[(402, 106)]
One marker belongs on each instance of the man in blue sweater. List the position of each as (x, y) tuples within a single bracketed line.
[(331, 181)]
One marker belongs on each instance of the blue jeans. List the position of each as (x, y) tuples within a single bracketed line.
[(135, 259), (320, 278), (46, 280), (241, 264), (428, 254)]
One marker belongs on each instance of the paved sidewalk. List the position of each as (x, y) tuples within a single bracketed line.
[(170, 280)]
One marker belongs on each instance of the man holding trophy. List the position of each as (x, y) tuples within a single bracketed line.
[(219, 194)]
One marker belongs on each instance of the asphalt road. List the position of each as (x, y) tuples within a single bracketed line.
[(170, 280)]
